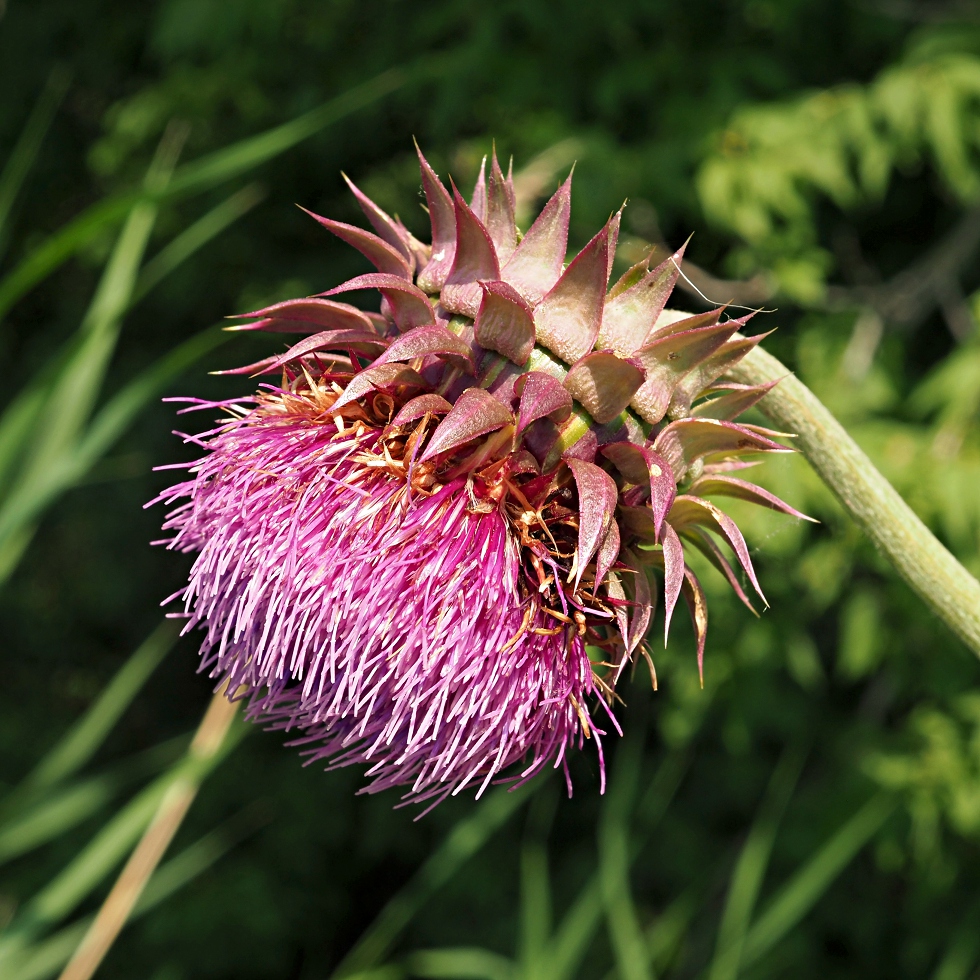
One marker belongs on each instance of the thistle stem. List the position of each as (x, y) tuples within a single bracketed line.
[(945, 585)]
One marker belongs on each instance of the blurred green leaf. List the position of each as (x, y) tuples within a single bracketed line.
[(197, 235), (465, 839), (962, 950), (86, 736), (25, 151), (459, 964), (45, 958), (750, 869), (807, 886), (862, 635), (200, 175), (939, 773), (773, 161)]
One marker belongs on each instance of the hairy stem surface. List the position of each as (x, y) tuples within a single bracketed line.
[(945, 585)]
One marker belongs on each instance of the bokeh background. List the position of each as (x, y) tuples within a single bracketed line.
[(814, 811)]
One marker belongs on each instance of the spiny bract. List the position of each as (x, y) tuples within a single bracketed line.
[(428, 549)]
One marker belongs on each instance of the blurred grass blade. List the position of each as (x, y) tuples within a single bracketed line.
[(53, 817), (71, 397), (85, 873), (622, 920), (660, 793), (63, 244), (13, 548), (196, 236), (102, 854), (75, 388), (802, 892), (25, 151), (107, 426), (464, 963), (200, 175), (463, 841), (90, 731), (118, 281), (578, 927), (50, 416), (255, 150), (665, 935), (116, 415), (50, 814), (46, 958), (199, 856), (215, 733), (390, 971), (750, 869), (961, 952), (535, 909), (19, 417), (535, 905), (22, 417)]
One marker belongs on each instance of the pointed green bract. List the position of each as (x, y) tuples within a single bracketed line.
[(631, 315), (475, 413), (536, 264), (604, 383), (567, 319), (505, 322), (409, 306)]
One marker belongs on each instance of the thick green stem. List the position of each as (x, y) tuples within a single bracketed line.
[(946, 586)]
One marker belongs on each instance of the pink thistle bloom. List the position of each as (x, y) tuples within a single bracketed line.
[(428, 551)]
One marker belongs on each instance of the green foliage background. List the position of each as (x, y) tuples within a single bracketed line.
[(814, 811)]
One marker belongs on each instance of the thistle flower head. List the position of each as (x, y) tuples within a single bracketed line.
[(431, 547)]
